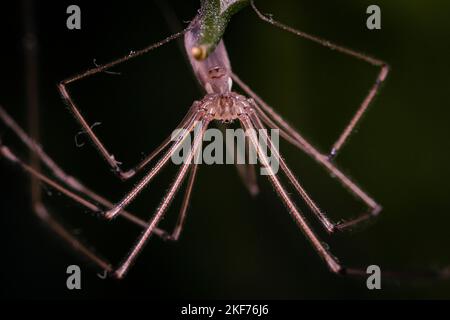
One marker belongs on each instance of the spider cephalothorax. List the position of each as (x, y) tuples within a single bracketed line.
[(226, 107)]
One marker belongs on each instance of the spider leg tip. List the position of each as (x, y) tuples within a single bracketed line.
[(126, 175), (119, 273), (254, 190), (376, 210), (332, 154), (110, 214)]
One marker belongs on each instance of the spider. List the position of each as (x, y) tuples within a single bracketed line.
[(220, 103)]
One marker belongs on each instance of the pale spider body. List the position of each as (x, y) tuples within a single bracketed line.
[(220, 103), (213, 72), (225, 107), (214, 76)]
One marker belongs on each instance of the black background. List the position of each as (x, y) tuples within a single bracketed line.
[(234, 246)]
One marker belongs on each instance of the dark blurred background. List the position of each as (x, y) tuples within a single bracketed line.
[(233, 245)]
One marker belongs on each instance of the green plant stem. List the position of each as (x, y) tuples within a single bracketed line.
[(214, 18)]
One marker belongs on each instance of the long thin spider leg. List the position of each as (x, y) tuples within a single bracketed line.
[(59, 229), (246, 171), (153, 172), (33, 121), (46, 217), (184, 124), (332, 262), (330, 226), (322, 250), (430, 274), (362, 109), (62, 86), (383, 73), (267, 111), (116, 62), (323, 218), (31, 73), (58, 172), (374, 208), (271, 118), (9, 155), (32, 94), (43, 213), (175, 235), (87, 200), (33, 146), (318, 245), (123, 268), (66, 179)]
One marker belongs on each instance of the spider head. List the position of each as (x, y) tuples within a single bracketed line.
[(218, 80)]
